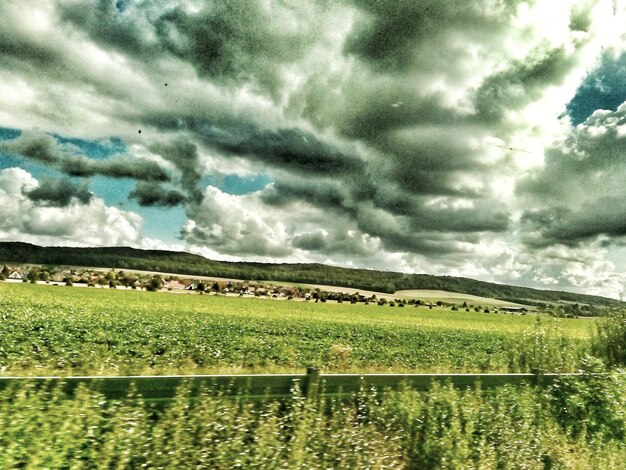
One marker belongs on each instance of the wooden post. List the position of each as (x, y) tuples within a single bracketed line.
[(311, 382)]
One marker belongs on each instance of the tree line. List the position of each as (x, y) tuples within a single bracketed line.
[(365, 279)]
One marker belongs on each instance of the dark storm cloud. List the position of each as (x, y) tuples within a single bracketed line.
[(393, 29), (560, 225), (59, 192), (108, 24), (184, 155), (153, 195), (286, 148), (523, 82), (327, 194), (44, 148), (18, 48), (396, 236), (581, 187), (34, 145), (114, 168), (228, 41), (337, 241), (310, 241)]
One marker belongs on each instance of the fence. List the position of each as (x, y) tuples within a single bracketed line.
[(274, 385)]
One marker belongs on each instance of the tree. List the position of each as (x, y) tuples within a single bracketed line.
[(155, 284), (33, 275), (201, 287)]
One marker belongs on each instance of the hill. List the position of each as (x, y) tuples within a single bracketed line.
[(186, 263)]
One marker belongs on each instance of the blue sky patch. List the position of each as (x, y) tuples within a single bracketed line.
[(601, 89), (237, 185)]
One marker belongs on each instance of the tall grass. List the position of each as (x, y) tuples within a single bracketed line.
[(577, 423), (609, 341)]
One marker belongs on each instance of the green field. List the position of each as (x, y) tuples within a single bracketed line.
[(53, 329), (577, 422)]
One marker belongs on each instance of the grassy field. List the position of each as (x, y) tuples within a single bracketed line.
[(453, 297), (54, 329), (578, 422)]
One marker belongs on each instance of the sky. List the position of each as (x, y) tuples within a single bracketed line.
[(482, 138)]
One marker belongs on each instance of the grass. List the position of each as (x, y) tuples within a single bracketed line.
[(45, 329), (575, 423), (444, 428)]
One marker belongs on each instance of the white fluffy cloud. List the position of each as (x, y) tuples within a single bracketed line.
[(92, 224)]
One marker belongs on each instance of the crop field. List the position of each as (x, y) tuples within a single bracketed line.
[(452, 297), (54, 329), (576, 422)]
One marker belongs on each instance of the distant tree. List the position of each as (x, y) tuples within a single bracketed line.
[(154, 284), (33, 275), (201, 287)]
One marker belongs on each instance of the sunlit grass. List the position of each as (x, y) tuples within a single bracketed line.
[(46, 329)]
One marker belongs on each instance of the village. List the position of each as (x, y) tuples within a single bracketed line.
[(175, 284)]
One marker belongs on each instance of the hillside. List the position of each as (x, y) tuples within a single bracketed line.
[(186, 263)]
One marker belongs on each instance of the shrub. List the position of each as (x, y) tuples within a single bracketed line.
[(609, 341)]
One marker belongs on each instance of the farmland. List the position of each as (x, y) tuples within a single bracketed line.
[(574, 423), (46, 329)]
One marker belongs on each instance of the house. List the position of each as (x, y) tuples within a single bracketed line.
[(175, 285), (60, 276), (15, 274)]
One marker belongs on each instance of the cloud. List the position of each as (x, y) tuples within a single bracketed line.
[(580, 187), (59, 192), (397, 34), (184, 155), (417, 136), (35, 145), (228, 42), (77, 223), (152, 195), (114, 168), (234, 225), (43, 148), (289, 148)]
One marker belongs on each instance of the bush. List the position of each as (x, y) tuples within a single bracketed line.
[(609, 341)]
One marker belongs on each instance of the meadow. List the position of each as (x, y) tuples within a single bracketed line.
[(64, 330)]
